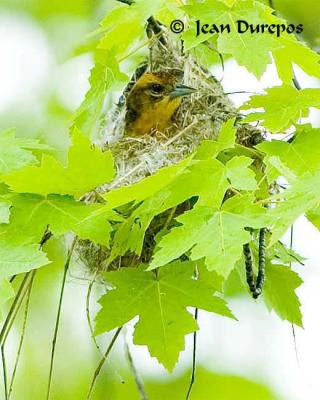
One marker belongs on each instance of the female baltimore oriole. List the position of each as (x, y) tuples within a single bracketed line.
[(152, 102)]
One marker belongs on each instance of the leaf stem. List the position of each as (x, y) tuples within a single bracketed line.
[(89, 291), (194, 361), (56, 329), (4, 372), (102, 361), (21, 338)]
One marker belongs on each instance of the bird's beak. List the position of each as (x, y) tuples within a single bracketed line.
[(181, 90)]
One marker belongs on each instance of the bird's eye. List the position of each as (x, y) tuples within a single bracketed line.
[(156, 88)]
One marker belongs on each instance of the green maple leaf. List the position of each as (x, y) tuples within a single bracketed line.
[(295, 52), (88, 167), (160, 301), (125, 25), (279, 292), (244, 180), (17, 257), (283, 106), (301, 197), (148, 186), (301, 155), (215, 234), (252, 50), (171, 186), (166, 176), (197, 180), (104, 76), (33, 214), (16, 153), (284, 255)]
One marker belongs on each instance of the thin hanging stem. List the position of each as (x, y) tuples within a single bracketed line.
[(15, 306), (102, 361), (24, 324), (137, 378), (292, 326), (88, 313), (194, 361), (4, 372), (56, 329)]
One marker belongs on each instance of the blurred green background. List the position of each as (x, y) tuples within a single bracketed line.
[(44, 75)]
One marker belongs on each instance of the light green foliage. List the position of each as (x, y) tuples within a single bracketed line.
[(300, 198), (6, 293), (284, 255), (251, 50), (16, 153), (32, 214), (88, 167), (240, 46), (202, 210), (17, 257), (4, 212), (216, 234), (283, 106), (314, 216), (244, 181), (294, 52), (186, 185), (105, 75), (279, 293), (301, 155), (160, 299)]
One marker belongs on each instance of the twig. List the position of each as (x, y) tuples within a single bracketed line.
[(194, 354), (88, 313), (102, 361), (55, 335), (24, 324), (4, 372), (137, 378)]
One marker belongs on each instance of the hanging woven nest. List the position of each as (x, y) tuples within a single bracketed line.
[(199, 117)]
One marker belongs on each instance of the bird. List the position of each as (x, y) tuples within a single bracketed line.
[(153, 101)]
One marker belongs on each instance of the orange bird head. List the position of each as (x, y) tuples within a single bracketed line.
[(152, 102)]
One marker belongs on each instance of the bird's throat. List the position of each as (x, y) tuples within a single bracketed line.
[(157, 116)]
